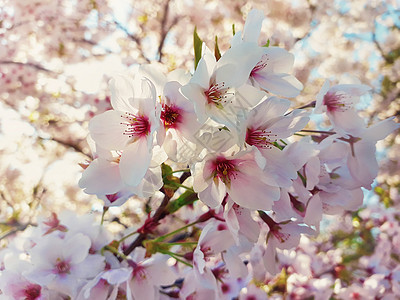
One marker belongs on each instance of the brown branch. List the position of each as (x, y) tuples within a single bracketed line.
[(66, 144), (15, 230), (164, 31), (378, 46), (158, 215), (35, 66), (133, 38)]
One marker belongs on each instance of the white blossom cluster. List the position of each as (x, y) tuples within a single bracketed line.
[(262, 179)]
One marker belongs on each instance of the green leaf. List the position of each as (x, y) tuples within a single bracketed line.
[(217, 53), (233, 29), (197, 44), (166, 171), (267, 44)]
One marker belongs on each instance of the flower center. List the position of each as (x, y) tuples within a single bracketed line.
[(62, 267), (138, 272), (280, 236), (260, 65), (170, 115), (136, 126), (260, 138), (225, 170), (337, 102), (217, 94), (112, 197), (32, 291)]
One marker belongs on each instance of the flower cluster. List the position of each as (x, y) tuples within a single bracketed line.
[(220, 152)]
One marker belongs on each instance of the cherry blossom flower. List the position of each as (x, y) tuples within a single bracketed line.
[(129, 128), (216, 93), (147, 275), (213, 240), (272, 71), (267, 124), (179, 122), (240, 175), (63, 265), (240, 222), (362, 162), (338, 102)]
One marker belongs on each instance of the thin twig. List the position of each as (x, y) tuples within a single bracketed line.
[(158, 215), (133, 38), (28, 64), (164, 30), (65, 144)]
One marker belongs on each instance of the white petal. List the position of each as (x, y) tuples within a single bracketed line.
[(90, 267), (142, 288), (213, 194), (123, 92), (135, 160), (77, 248), (279, 60), (351, 89), (195, 93), (101, 177), (252, 27), (107, 131), (161, 273), (283, 85), (252, 193)]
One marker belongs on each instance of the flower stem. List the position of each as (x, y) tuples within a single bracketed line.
[(163, 237), (105, 209), (115, 251), (318, 131), (177, 171), (173, 255), (128, 235)]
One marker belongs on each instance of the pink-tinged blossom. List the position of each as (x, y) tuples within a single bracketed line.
[(284, 235), (14, 286), (274, 65), (198, 285), (179, 121), (252, 292), (338, 102), (267, 124), (106, 285), (102, 176), (240, 175), (240, 222), (218, 95), (130, 127), (214, 239), (63, 265), (272, 73), (147, 275), (362, 161)]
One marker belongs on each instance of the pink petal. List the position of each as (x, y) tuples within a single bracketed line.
[(252, 193)]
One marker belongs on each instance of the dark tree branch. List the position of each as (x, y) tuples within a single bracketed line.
[(28, 64), (66, 145), (164, 29), (133, 38), (158, 215)]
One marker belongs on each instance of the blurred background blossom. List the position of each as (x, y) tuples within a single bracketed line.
[(56, 58)]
